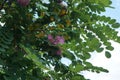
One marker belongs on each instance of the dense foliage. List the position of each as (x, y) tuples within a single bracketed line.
[(36, 35)]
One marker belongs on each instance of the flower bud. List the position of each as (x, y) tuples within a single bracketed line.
[(23, 2)]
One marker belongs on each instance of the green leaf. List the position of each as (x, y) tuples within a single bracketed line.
[(2, 50), (31, 55), (76, 78), (112, 21), (6, 42), (118, 39), (116, 25), (100, 49), (107, 43), (1, 62), (69, 55), (107, 54), (90, 35), (110, 48), (88, 64), (87, 55), (76, 68), (79, 68), (4, 46), (104, 2)]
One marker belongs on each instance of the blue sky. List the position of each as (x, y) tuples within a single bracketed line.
[(114, 13)]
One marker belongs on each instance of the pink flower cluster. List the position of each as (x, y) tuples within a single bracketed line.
[(55, 41), (23, 2)]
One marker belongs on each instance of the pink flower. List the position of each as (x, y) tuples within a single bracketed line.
[(59, 52), (50, 38), (56, 40), (23, 2), (59, 40)]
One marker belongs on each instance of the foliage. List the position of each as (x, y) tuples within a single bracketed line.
[(26, 52)]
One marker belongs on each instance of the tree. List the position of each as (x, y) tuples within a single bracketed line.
[(37, 34)]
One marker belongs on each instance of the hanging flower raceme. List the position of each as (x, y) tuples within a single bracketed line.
[(23, 2), (56, 40)]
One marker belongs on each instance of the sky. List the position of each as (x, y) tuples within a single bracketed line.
[(114, 13), (99, 59)]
